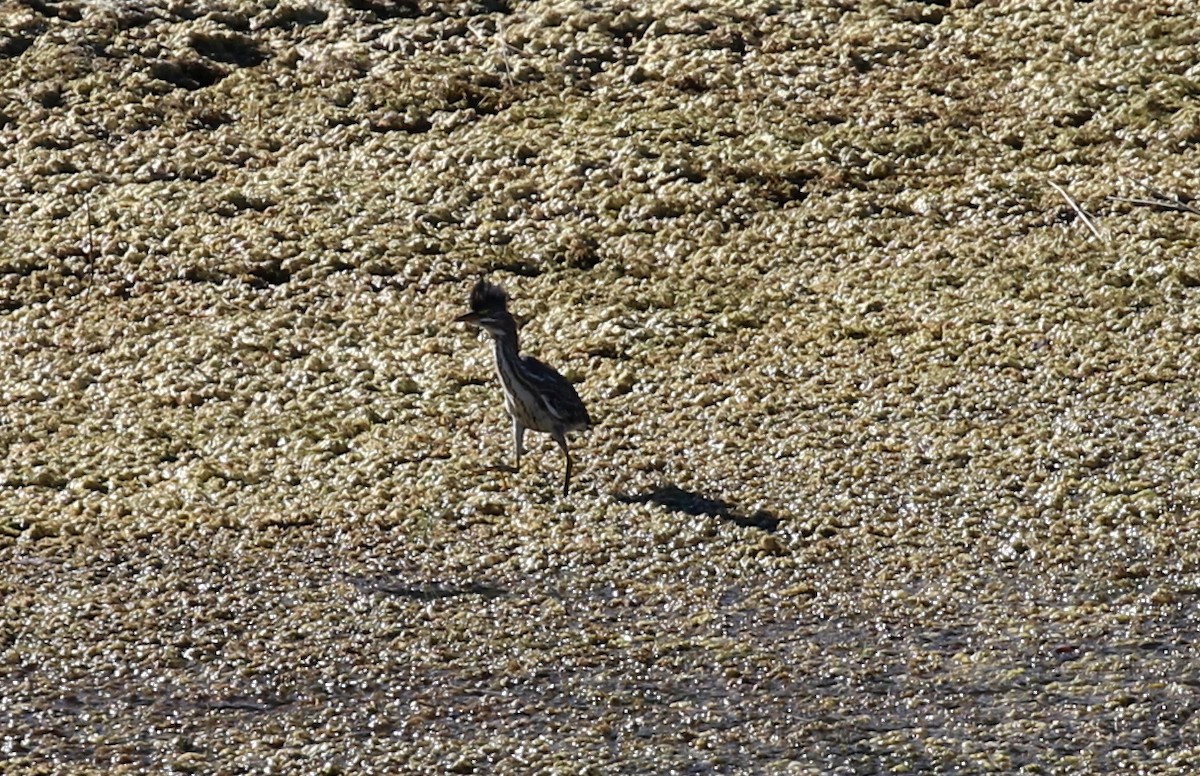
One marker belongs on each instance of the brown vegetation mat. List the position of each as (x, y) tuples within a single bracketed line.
[(887, 312)]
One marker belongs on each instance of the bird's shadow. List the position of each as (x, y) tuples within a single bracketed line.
[(690, 503)]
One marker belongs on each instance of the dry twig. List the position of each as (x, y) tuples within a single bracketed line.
[(1157, 199), (1087, 221)]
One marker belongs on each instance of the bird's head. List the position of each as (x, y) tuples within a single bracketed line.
[(489, 308)]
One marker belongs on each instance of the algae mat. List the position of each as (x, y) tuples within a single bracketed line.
[(886, 311)]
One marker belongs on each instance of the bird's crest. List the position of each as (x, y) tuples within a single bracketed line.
[(488, 297)]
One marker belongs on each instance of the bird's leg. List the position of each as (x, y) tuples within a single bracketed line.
[(518, 442), (562, 442)]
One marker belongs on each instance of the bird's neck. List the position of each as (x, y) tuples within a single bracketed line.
[(505, 340)]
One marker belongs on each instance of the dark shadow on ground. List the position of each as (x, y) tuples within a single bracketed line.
[(425, 591), (679, 500)]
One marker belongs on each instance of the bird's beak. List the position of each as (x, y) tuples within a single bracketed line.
[(471, 318)]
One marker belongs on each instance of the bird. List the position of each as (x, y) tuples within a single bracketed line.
[(535, 396)]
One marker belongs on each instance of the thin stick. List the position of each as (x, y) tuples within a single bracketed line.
[(1156, 193), (1158, 199), (1075, 206), (1163, 197), (1165, 204), (504, 48)]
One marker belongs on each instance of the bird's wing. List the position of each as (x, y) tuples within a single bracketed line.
[(563, 401)]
